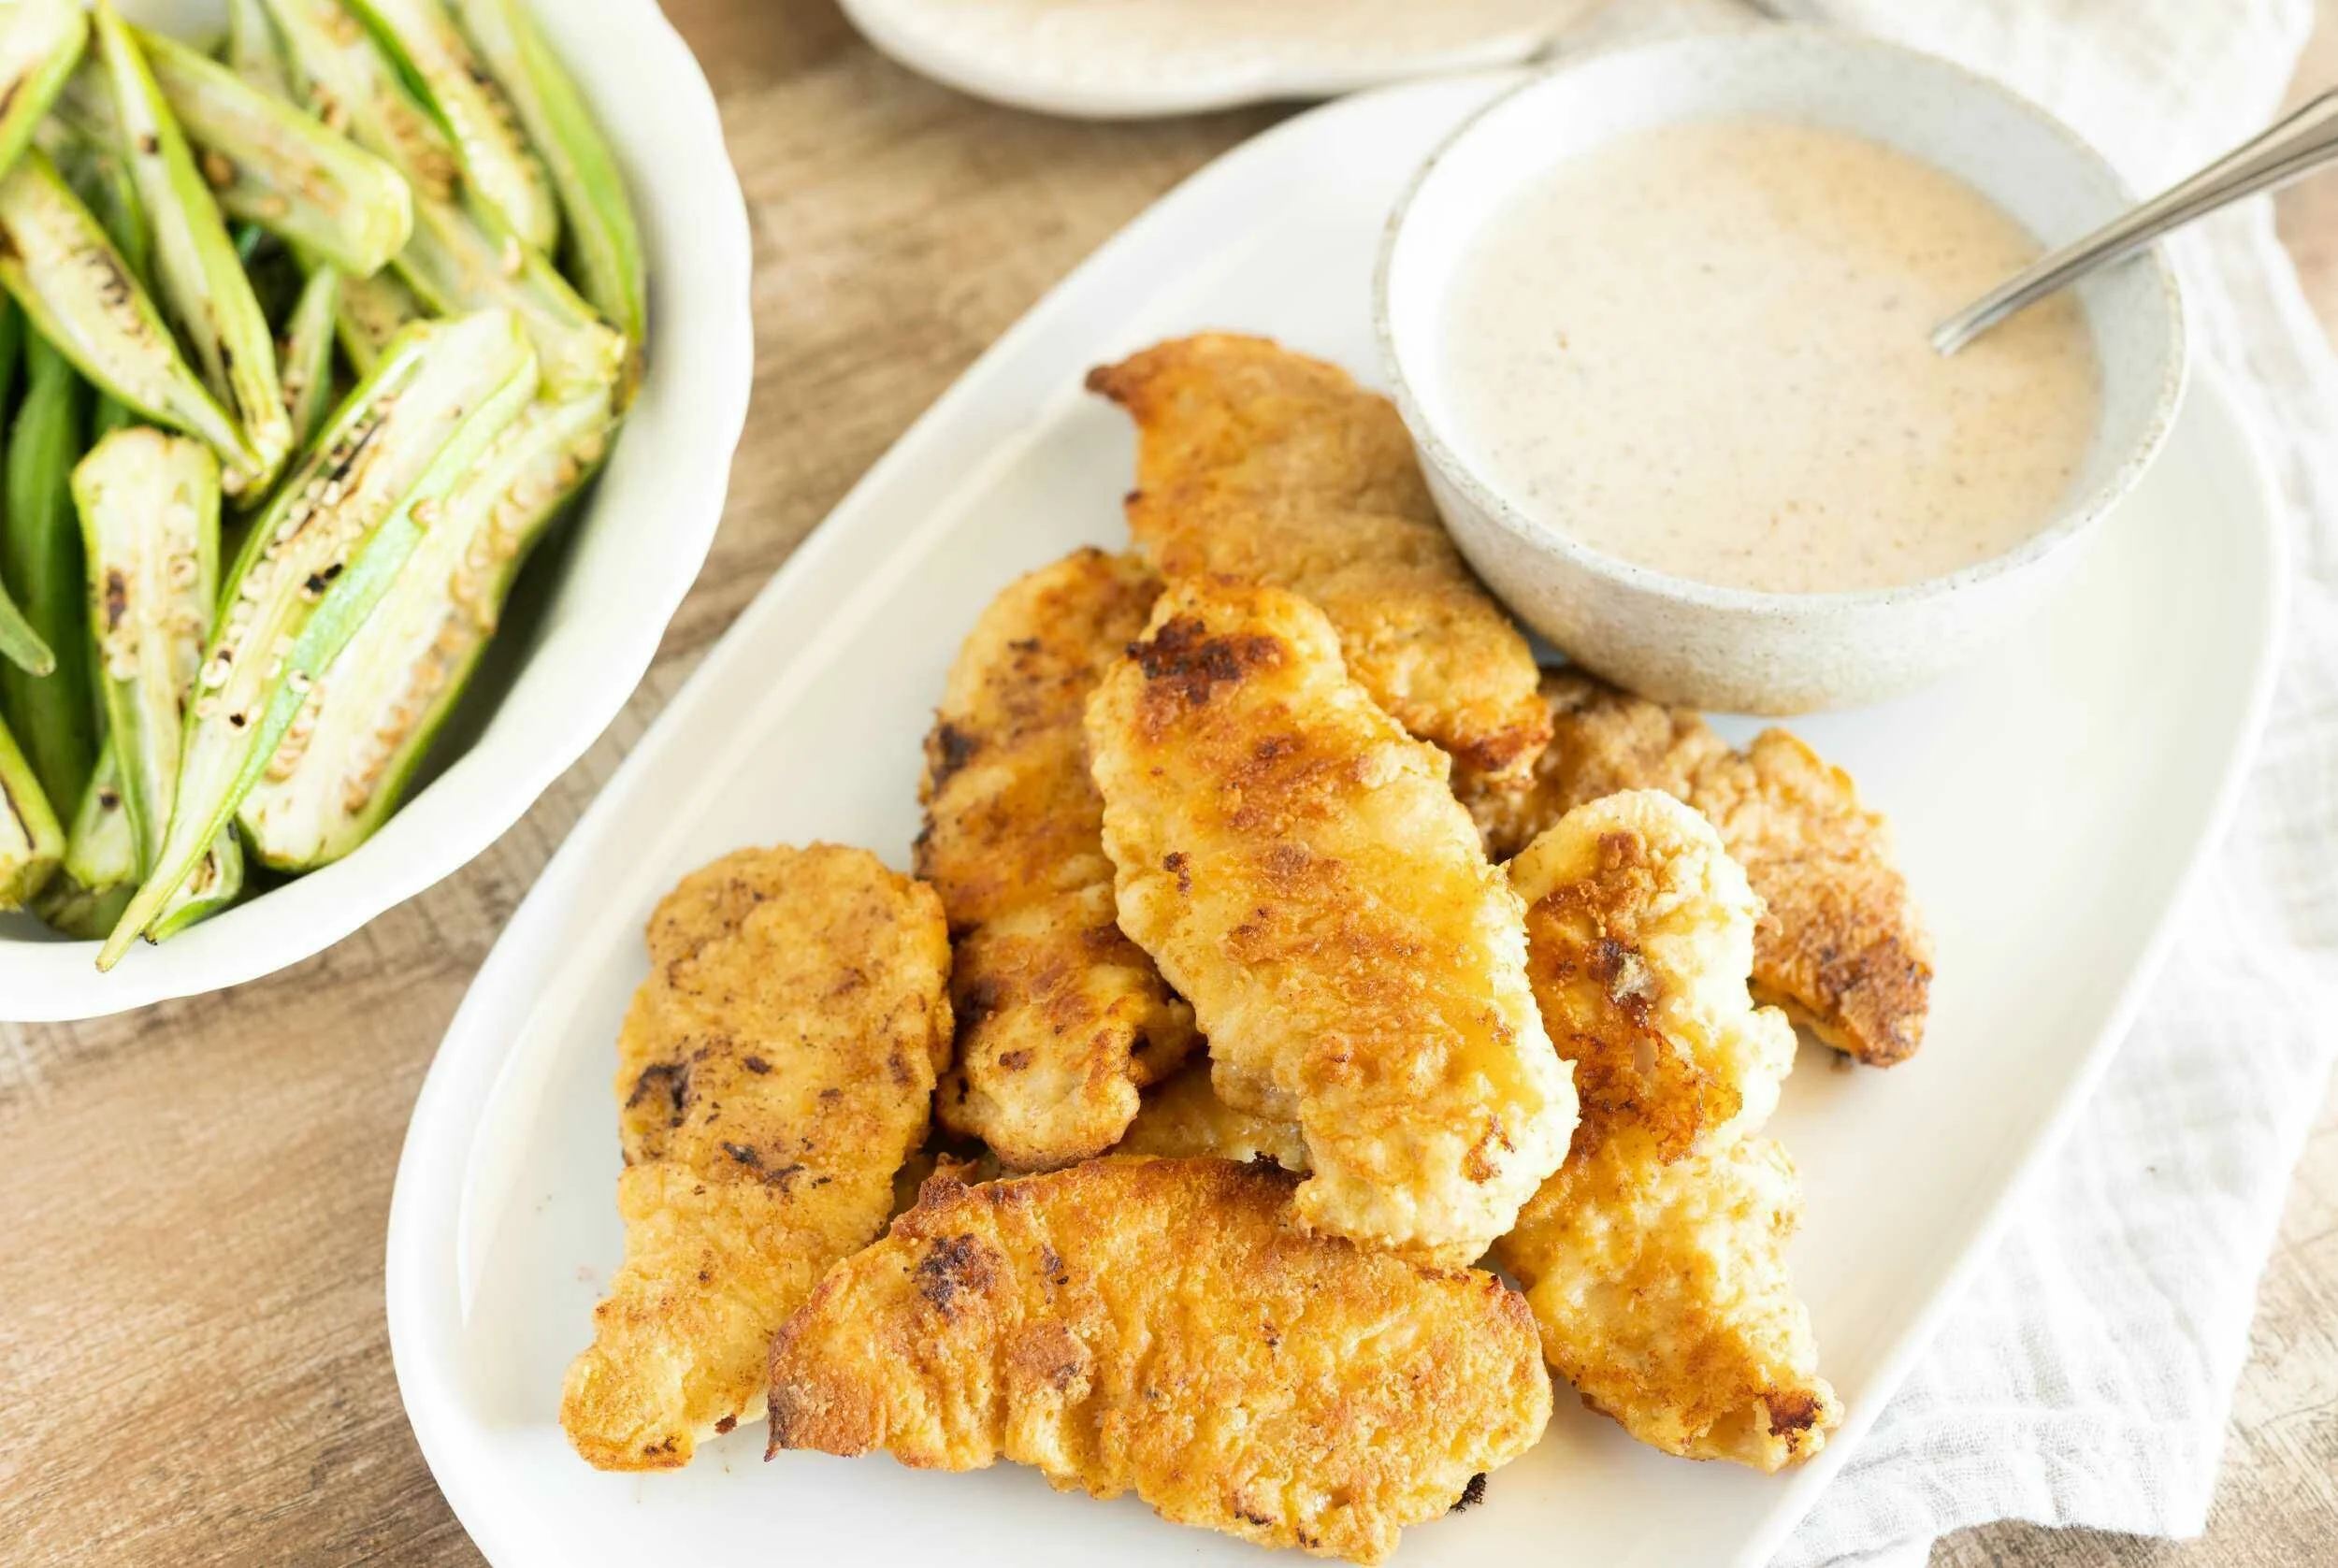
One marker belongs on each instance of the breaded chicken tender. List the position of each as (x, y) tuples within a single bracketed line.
[(1184, 1119), (1654, 1259), (1159, 1326), (774, 1071), (1264, 466), (1061, 1018), (1841, 945), (1300, 870)]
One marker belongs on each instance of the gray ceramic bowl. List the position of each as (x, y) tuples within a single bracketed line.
[(1726, 648)]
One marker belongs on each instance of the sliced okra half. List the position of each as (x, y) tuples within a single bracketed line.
[(79, 292), (423, 40), (372, 313), (369, 720), (605, 243), (462, 255), (198, 271), (318, 559), (41, 42), (270, 164), (254, 52), (30, 842), (149, 505)]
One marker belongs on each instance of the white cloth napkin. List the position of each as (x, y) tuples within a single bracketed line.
[(2085, 1377)]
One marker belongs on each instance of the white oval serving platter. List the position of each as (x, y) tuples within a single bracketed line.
[(2052, 803), (587, 618)]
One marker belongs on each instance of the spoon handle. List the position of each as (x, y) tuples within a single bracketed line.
[(2292, 147)]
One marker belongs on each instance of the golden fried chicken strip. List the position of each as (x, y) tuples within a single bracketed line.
[(1300, 870), (1062, 1019), (1184, 1119), (1159, 1326), (776, 1069), (1654, 1259), (1841, 945), (1262, 464)]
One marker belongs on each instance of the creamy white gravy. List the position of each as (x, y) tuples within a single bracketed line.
[(1701, 348)]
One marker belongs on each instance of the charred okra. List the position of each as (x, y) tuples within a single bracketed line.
[(30, 843), (21, 645), (196, 270), (462, 255), (271, 164), (79, 292), (604, 247), (320, 557), (423, 40), (369, 720)]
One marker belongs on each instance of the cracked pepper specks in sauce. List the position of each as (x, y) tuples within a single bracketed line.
[(1701, 348)]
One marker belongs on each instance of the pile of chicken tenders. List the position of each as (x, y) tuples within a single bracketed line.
[(1286, 954)]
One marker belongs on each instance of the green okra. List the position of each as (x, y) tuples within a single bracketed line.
[(373, 312), (197, 273), (254, 52), (604, 244), (148, 506), (41, 42), (24, 652), (80, 292), (462, 255), (270, 164), (305, 354), (102, 842), (30, 842), (101, 861), (498, 163), (318, 559), (40, 559), (345, 763)]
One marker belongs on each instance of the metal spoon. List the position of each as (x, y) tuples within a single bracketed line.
[(2295, 146)]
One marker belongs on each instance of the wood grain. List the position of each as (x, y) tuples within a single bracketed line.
[(192, 1347)]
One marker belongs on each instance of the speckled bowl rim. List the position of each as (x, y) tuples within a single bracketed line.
[(2071, 521)]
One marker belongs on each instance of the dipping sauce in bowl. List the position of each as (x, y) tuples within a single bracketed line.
[(1701, 348)]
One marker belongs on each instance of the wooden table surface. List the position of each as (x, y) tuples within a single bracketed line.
[(192, 1346)]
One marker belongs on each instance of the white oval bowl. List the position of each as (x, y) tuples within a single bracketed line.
[(1692, 642), (611, 581)]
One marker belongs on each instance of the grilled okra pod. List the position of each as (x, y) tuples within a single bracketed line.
[(30, 843), (270, 164), (79, 292), (462, 255), (373, 312), (197, 272), (369, 720), (424, 41), (41, 43), (40, 555), (319, 558), (305, 355), (604, 245)]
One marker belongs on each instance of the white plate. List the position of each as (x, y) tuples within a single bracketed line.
[(1115, 59), (2051, 805), (587, 617)]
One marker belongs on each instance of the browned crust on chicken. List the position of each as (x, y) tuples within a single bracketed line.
[(774, 1071), (1264, 466), (1161, 1326), (1061, 1018), (1841, 945), (1299, 868)]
